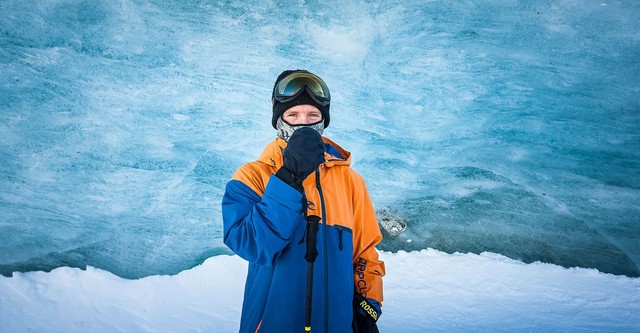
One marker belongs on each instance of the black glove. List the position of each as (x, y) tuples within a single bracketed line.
[(365, 315), (302, 156)]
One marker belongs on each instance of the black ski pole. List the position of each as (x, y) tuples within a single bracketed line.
[(310, 257)]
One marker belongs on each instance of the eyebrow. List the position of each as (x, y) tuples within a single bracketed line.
[(311, 113)]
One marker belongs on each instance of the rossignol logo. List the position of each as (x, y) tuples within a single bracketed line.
[(369, 310), (361, 283)]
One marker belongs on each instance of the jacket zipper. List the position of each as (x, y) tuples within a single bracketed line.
[(341, 230), (324, 252)]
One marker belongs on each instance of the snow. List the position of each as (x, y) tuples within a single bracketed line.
[(501, 126), (425, 290)]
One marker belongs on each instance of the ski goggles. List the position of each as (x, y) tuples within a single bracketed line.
[(293, 84)]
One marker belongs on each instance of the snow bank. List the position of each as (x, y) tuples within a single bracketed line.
[(424, 291)]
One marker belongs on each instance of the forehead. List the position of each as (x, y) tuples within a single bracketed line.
[(306, 108)]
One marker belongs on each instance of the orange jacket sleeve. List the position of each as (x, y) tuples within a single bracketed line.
[(369, 270)]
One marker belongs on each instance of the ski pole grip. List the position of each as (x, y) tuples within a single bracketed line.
[(312, 231)]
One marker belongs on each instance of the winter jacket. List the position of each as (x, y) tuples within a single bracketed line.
[(264, 223)]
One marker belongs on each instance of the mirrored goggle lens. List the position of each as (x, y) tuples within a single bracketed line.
[(293, 83)]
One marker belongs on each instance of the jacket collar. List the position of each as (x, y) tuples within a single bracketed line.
[(272, 154)]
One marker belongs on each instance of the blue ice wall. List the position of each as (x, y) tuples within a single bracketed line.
[(503, 126)]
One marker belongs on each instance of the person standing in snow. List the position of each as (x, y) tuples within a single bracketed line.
[(269, 209)]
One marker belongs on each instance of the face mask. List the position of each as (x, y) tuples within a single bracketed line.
[(285, 130)]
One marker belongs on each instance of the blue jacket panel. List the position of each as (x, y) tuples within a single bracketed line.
[(269, 232)]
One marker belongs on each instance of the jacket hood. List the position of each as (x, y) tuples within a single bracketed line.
[(272, 154)]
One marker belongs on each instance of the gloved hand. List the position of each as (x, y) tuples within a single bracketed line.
[(365, 314), (302, 156)]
